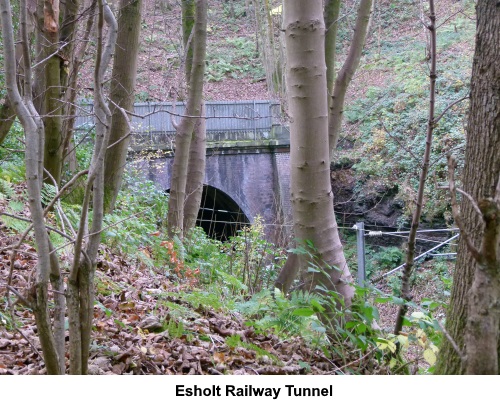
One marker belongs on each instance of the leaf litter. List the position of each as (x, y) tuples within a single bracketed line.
[(139, 329)]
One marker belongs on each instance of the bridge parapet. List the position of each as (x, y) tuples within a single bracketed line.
[(246, 123), (277, 137)]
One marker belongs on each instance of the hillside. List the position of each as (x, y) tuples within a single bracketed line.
[(207, 307), (385, 114)]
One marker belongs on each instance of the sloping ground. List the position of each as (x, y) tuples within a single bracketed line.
[(233, 72), (143, 325)]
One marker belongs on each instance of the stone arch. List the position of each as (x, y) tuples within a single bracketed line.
[(220, 216)]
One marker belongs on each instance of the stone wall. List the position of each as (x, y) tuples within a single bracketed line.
[(257, 180)]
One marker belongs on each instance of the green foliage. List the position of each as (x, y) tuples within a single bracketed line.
[(138, 214), (236, 57), (15, 200), (421, 339), (6, 189), (390, 120), (12, 166), (235, 341), (175, 329), (285, 316), (6, 320), (385, 259), (206, 299), (234, 10), (354, 328), (84, 148), (253, 259)]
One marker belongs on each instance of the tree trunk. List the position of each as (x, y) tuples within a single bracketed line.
[(196, 172), (480, 177), (347, 72), (68, 67), (39, 85), (266, 45), (412, 236), (34, 136), (198, 147), (288, 273), (7, 118), (122, 95), (311, 192), (186, 126), (81, 276), (53, 153), (331, 15), (70, 81), (188, 17)]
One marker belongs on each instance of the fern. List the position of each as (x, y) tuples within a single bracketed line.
[(16, 206), (6, 189), (48, 193), (14, 224), (301, 298), (235, 341), (258, 304), (13, 172)]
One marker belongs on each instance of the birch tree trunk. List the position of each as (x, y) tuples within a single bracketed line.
[(175, 217), (122, 97), (347, 71), (34, 136), (480, 178), (311, 192)]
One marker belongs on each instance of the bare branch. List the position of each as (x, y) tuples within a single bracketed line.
[(450, 106), (471, 199), (129, 128), (456, 211), (452, 342)]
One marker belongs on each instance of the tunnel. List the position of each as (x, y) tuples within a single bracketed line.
[(219, 215)]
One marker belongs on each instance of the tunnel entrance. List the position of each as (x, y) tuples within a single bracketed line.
[(219, 215)]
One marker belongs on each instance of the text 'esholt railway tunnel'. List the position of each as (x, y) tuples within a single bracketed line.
[(219, 215)]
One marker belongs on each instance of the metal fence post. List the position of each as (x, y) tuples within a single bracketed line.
[(360, 245)]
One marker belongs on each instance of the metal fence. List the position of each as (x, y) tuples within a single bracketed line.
[(226, 120)]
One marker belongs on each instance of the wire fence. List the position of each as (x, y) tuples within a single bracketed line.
[(362, 234)]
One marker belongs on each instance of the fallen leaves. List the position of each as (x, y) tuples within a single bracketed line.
[(142, 325)]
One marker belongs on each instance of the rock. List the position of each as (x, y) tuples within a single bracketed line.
[(102, 362), (151, 323), (94, 370)]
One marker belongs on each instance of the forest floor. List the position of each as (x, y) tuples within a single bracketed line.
[(148, 322), (145, 323)]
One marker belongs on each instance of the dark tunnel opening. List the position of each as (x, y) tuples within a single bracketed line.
[(219, 215)]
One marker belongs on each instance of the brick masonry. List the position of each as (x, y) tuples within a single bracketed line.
[(257, 180)]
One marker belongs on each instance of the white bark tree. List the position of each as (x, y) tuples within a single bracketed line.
[(80, 289), (175, 218), (311, 192)]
